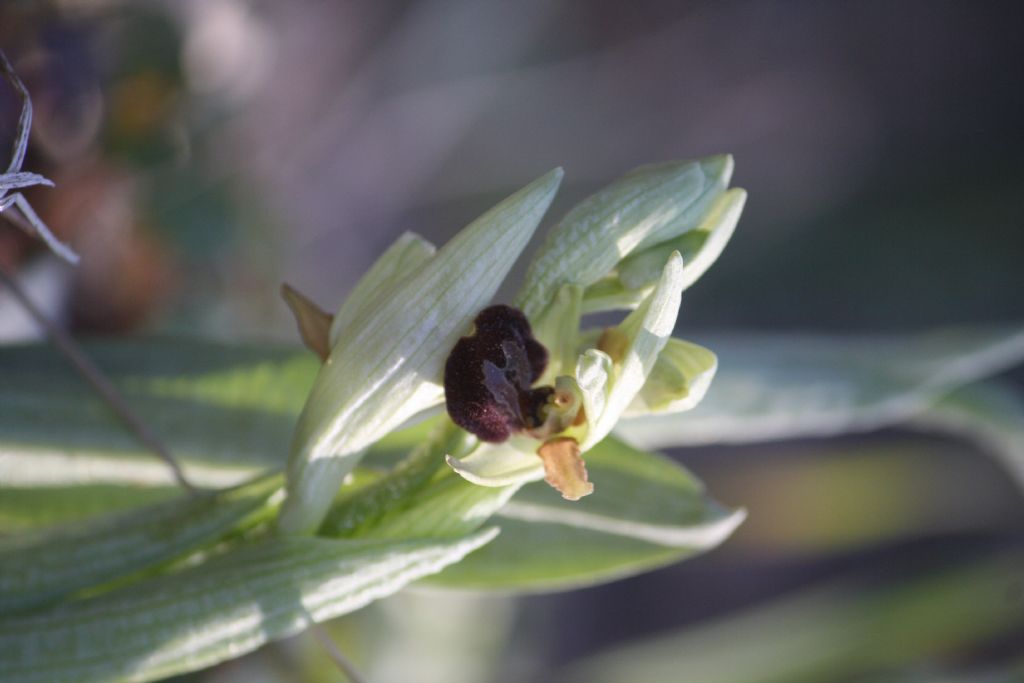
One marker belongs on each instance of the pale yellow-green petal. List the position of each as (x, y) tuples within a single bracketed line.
[(594, 375), (700, 247), (679, 380), (647, 206), (398, 262), (647, 329), (503, 464), (557, 329)]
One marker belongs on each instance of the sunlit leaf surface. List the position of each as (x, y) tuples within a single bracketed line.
[(773, 386), (646, 511), (219, 610), (37, 568), (223, 411)]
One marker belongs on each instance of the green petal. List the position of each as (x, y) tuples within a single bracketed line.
[(700, 247), (609, 294), (503, 464), (679, 380), (645, 207), (400, 261), (557, 329), (647, 329), (390, 365), (594, 376)]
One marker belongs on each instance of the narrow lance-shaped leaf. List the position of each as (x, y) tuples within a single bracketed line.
[(14, 181), (40, 567), (15, 178), (991, 413), (20, 143), (37, 507), (356, 511), (230, 605), (389, 366), (843, 631), (647, 512), (226, 412), (781, 386)]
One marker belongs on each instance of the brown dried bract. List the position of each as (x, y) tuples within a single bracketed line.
[(314, 323), (614, 342)]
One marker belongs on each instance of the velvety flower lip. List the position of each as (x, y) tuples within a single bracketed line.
[(489, 375)]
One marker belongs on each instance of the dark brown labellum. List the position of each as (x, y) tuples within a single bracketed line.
[(489, 376)]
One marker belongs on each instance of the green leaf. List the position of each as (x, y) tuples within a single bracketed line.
[(774, 386), (219, 610), (37, 568), (646, 511), (990, 413), (356, 512), (449, 507), (843, 631), (418, 499), (224, 411), (23, 509)]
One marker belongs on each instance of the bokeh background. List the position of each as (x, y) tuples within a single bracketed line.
[(206, 150)]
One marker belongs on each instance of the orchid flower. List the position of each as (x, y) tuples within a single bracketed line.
[(535, 389), (622, 248)]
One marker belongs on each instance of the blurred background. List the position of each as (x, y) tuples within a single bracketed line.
[(204, 151)]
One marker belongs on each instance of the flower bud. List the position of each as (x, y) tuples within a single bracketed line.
[(679, 380), (699, 247), (647, 206)]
